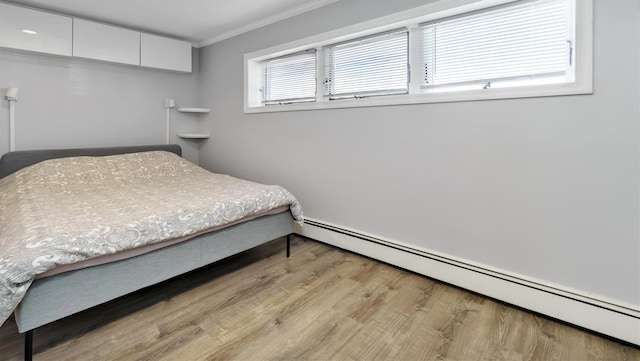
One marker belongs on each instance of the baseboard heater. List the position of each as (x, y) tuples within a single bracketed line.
[(607, 317)]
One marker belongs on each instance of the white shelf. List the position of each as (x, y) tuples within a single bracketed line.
[(193, 135), (193, 110)]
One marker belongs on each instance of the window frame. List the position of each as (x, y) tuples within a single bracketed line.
[(411, 19), (265, 64), (352, 44), (511, 72)]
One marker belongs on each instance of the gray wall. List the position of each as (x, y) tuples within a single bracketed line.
[(66, 102), (544, 187)]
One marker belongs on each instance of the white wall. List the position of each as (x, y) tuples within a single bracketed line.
[(66, 102), (546, 188)]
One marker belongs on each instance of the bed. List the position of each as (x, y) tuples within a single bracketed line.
[(57, 292)]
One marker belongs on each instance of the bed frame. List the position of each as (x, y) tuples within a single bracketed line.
[(53, 298)]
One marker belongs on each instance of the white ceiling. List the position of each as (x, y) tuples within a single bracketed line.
[(201, 22)]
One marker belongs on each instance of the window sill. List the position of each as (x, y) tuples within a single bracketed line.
[(475, 95)]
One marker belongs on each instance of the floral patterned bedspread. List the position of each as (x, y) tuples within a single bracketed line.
[(68, 210)]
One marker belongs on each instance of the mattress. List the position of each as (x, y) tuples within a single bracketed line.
[(149, 248)]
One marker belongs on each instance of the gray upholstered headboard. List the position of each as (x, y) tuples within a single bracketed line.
[(14, 161)]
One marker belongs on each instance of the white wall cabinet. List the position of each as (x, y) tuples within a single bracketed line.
[(165, 53), (64, 35), (104, 42), (52, 32)]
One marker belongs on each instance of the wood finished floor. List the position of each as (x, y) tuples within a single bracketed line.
[(321, 304)]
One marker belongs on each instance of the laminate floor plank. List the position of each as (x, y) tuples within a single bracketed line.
[(323, 303), (297, 325), (282, 316), (196, 349)]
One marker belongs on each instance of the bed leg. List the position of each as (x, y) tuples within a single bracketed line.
[(288, 245), (28, 345)]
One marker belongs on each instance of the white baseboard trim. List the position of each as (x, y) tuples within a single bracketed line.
[(595, 313)]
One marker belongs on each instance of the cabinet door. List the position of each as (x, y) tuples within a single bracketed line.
[(164, 53), (52, 32), (105, 42)]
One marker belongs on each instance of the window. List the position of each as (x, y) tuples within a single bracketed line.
[(289, 79), (479, 49), (526, 42), (372, 66)]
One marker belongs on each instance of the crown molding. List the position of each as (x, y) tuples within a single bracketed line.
[(312, 5)]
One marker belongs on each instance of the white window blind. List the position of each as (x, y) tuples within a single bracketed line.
[(289, 79), (521, 43), (375, 65)]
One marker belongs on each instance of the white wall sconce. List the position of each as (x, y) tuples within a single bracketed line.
[(12, 96), (168, 104)]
